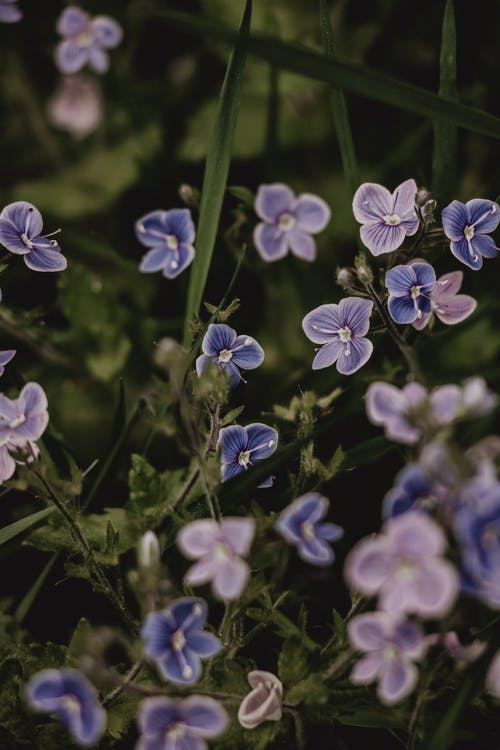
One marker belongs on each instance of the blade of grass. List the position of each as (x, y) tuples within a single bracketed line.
[(27, 601), (356, 78), (444, 167), (339, 107), (14, 529), (216, 171)]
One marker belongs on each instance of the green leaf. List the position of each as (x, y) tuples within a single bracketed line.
[(445, 132), (293, 662), (14, 529), (355, 78), (216, 171)]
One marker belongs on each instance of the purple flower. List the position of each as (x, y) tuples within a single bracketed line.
[(467, 226), (176, 641), (173, 724), (69, 695), (5, 358), (76, 106), (445, 303), (413, 489), (340, 329), (264, 702), (387, 219), (288, 222), (300, 525), (493, 677), (391, 646), (462, 654), (404, 566), (242, 446), (411, 412), (21, 225), (22, 421), (86, 40), (222, 345), (409, 288), (170, 235), (219, 548), (9, 12)]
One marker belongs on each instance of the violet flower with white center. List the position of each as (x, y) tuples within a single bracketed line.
[(170, 235), (176, 641), (493, 677), (409, 287), (21, 225), (288, 222), (387, 219), (411, 412), (300, 524), (391, 646), (69, 695), (5, 358), (76, 106), (225, 348), (340, 329), (22, 421), (445, 302), (264, 702), (9, 12), (468, 226), (180, 724), (85, 40), (219, 547), (241, 446), (404, 566)]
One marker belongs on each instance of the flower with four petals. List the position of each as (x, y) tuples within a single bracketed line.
[(21, 225), (86, 40), (409, 288), (170, 235), (386, 219), (240, 447), (225, 348), (468, 225), (300, 524), (446, 304)]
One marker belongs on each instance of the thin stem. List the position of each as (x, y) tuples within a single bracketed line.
[(133, 672)]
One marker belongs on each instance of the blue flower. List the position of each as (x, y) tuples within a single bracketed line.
[(21, 225), (223, 346), (341, 330), (300, 525), (176, 641), (467, 226), (9, 12), (409, 288), (173, 724), (411, 491), (241, 446), (86, 40), (69, 695), (170, 235)]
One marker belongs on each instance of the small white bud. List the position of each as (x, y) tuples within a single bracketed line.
[(149, 550)]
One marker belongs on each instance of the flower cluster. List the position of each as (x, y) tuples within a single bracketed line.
[(22, 421)]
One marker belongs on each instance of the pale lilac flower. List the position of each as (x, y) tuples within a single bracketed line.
[(340, 329), (409, 287), (225, 348), (391, 646), (493, 677), (170, 235), (264, 702), (405, 568), (462, 654), (445, 302), (300, 524), (69, 695), (180, 724), (219, 548), (85, 40), (175, 639), (467, 226), (5, 358), (242, 446), (22, 421), (21, 225), (288, 222), (76, 105), (409, 413), (387, 219), (9, 12)]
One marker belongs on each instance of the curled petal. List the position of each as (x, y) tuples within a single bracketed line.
[(273, 200), (25, 217), (264, 702), (483, 245), (315, 551)]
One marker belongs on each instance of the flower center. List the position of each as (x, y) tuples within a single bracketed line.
[(244, 458), (27, 240), (175, 731), (469, 233), (392, 219), (178, 640), (71, 703), (17, 421), (172, 242), (286, 221), (307, 530), (225, 355), (390, 651), (345, 334), (221, 552), (84, 39)]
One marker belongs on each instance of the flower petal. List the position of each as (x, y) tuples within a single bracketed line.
[(404, 201), (7, 464), (380, 237), (150, 228), (369, 564), (371, 202), (436, 589), (233, 440), (484, 215), (178, 261), (270, 242), (25, 217), (398, 677), (98, 60), (157, 714), (462, 250), (190, 610), (238, 533), (484, 245), (107, 32), (201, 572), (355, 314), (312, 213), (330, 532), (302, 245), (447, 286), (426, 276), (456, 309), (198, 537), (383, 401), (368, 632), (366, 669), (204, 716), (219, 336), (70, 56), (328, 354), (273, 200), (45, 258), (262, 440), (230, 579), (202, 643), (322, 324), (415, 535), (400, 279), (10, 238), (315, 551), (72, 21), (178, 221), (10, 13), (157, 633), (402, 309), (155, 259), (360, 350), (180, 667), (247, 353), (446, 402), (455, 218)]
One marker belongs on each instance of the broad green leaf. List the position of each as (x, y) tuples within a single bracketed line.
[(14, 529), (216, 172), (445, 133)]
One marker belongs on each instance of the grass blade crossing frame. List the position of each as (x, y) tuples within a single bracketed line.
[(444, 165)]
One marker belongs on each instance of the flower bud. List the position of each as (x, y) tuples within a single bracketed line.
[(264, 702), (344, 278), (148, 553), (364, 274)]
